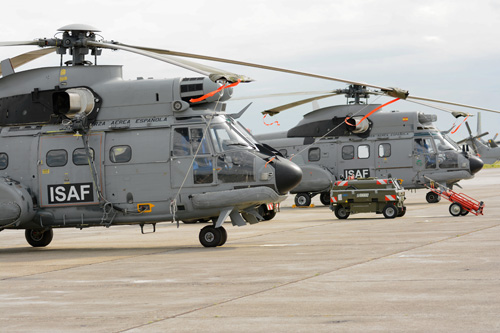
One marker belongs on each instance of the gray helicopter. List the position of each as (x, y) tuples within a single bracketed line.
[(81, 147), (487, 150), (354, 141)]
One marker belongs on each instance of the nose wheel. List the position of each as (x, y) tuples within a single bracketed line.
[(211, 236)]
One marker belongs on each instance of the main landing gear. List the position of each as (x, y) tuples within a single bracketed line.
[(432, 197), (211, 236), (304, 199), (39, 237)]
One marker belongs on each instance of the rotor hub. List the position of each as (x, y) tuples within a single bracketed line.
[(75, 38)]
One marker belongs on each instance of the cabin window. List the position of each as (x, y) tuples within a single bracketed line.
[(384, 150), (4, 161), (120, 154), (314, 154), (363, 151), (348, 152), (80, 156), (57, 158)]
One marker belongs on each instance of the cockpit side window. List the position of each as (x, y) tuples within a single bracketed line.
[(199, 144), (424, 150), (423, 146), (181, 142), (189, 141)]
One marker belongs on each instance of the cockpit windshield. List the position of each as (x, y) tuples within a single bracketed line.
[(244, 132), (441, 143), (226, 138), (451, 142)]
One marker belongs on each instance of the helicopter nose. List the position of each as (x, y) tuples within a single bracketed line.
[(475, 164), (288, 174)]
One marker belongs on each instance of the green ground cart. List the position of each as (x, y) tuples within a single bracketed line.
[(365, 195)]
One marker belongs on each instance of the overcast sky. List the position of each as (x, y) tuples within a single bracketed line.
[(446, 49)]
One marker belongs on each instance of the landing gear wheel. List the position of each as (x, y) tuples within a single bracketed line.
[(432, 197), (390, 211), (341, 212), (269, 215), (325, 198), (39, 237), (210, 236), (223, 238), (455, 209), (402, 211), (266, 213), (464, 212), (302, 199)]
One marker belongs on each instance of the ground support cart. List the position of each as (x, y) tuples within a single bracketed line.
[(461, 204), (364, 195)]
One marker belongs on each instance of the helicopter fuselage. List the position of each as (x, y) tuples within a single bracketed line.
[(402, 145), (134, 152)]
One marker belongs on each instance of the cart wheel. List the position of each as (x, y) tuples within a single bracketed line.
[(455, 209), (464, 212), (341, 212), (432, 197), (402, 211), (302, 199), (390, 211)]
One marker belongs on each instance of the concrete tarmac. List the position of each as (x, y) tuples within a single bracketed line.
[(304, 271)]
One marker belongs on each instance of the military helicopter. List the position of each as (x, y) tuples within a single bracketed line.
[(488, 151), (81, 147), (355, 141)]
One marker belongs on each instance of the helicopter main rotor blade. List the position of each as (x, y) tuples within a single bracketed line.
[(249, 64), (393, 92), (20, 43), (282, 95), (452, 103), (456, 114), (28, 56), (278, 109), (213, 73)]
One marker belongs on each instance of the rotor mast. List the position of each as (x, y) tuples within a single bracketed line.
[(356, 92), (75, 38)]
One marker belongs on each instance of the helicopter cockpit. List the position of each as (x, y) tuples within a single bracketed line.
[(435, 151)]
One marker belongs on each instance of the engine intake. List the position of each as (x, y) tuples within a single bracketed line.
[(196, 87)]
